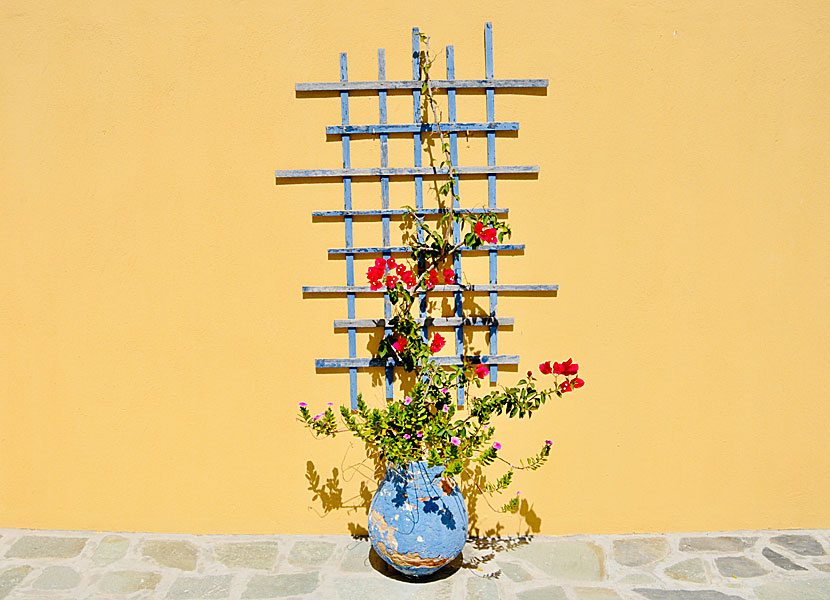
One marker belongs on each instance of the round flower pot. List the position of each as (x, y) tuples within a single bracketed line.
[(418, 519)]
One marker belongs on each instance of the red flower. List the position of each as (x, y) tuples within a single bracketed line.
[(400, 269), (577, 382), (565, 386), (437, 343), (485, 235), (374, 284), (449, 276), (530, 373), (432, 278), (399, 344), (482, 371), (544, 368), (566, 368), (391, 280), (408, 278), (380, 263), (391, 262)]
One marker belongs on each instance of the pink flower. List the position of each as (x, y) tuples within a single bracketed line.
[(330, 403), (445, 390), (548, 443), (420, 434), (455, 441), (482, 371), (406, 436), (407, 400), (316, 417), (446, 408), (496, 446), (303, 404)]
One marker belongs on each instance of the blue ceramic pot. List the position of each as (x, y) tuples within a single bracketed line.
[(418, 519)]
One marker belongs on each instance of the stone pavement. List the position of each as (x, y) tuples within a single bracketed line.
[(750, 565)]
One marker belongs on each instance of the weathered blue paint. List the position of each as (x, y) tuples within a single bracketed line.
[(418, 519), (399, 212), (384, 194), (405, 171), (347, 201), (491, 189), (385, 128), (408, 249), (419, 181), (346, 363), (430, 321), (438, 289), (456, 227), (415, 84)]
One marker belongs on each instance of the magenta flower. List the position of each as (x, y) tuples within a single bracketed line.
[(496, 446), (446, 408), (455, 441), (407, 400), (420, 434), (548, 443), (445, 390), (316, 417), (330, 403), (303, 404), (406, 436)]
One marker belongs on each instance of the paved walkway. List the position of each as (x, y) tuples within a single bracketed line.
[(752, 565)]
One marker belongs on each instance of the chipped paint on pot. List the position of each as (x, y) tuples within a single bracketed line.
[(418, 519)]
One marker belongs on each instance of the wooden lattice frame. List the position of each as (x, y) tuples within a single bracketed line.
[(417, 173)]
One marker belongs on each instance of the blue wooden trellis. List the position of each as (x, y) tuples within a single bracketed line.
[(417, 173)]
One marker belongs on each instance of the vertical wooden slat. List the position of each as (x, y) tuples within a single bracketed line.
[(491, 189), (456, 227), (384, 194), (347, 201), (419, 181)]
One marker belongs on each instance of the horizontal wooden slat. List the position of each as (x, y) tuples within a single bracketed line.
[(485, 287), (344, 363), (414, 84), (392, 212), (429, 321), (421, 128), (407, 249), (404, 171)]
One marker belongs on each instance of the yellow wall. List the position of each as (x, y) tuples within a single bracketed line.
[(154, 341)]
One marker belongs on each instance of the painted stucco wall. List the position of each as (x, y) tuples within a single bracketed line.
[(154, 341)]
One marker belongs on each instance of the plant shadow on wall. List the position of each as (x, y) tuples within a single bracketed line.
[(428, 445)]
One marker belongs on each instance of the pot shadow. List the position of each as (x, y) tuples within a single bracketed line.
[(490, 547), (380, 567)]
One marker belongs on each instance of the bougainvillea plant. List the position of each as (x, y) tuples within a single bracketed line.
[(425, 424)]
